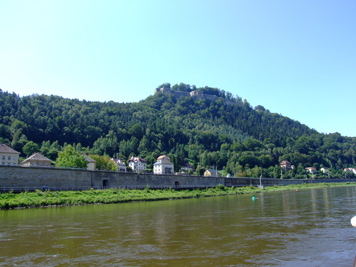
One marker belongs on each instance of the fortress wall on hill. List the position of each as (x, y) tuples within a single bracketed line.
[(197, 95), (180, 94)]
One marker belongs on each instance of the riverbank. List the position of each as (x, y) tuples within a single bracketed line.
[(68, 198)]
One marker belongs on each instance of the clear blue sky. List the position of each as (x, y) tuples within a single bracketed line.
[(297, 58)]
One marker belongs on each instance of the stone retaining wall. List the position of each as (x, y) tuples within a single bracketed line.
[(56, 178)]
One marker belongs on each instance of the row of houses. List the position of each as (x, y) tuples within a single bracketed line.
[(162, 166), (10, 157), (286, 165)]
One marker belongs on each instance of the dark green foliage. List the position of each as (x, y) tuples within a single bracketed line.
[(235, 138)]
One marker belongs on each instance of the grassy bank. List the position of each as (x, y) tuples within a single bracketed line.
[(63, 198)]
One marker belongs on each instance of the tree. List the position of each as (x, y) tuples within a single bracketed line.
[(30, 148), (260, 108), (249, 160), (104, 162), (70, 158)]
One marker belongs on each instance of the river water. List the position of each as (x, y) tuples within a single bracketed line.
[(290, 228)]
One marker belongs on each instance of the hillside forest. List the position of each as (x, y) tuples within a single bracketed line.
[(237, 139)]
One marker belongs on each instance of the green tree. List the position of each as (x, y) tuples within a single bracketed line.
[(30, 148), (104, 162), (70, 158)]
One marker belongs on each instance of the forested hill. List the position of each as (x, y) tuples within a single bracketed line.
[(236, 138)]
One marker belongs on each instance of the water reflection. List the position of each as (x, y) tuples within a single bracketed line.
[(289, 228)]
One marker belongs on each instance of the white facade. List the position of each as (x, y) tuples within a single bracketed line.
[(121, 166), (8, 156), (163, 166), (137, 164)]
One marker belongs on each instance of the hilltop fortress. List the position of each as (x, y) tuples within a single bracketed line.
[(195, 94)]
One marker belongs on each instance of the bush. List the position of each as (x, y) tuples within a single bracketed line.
[(221, 187)]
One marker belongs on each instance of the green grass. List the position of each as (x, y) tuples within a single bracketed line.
[(64, 198)]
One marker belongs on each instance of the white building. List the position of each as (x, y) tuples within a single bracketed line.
[(121, 166), (8, 156), (137, 164), (163, 165)]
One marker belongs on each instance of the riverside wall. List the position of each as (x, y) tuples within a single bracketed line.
[(58, 179), (16, 177)]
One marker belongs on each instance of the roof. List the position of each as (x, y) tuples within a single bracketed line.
[(89, 159), (6, 149), (310, 168), (119, 162), (161, 157), (163, 161), (212, 171), (38, 157), (284, 162), (137, 159)]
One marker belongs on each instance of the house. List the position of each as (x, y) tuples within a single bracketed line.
[(8, 156), (285, 165), (91, 163), (163, 165), (36, 160), (311, 170), (350, 170), (121, 166), (324, 170), (212, 173), (187, 167), (137, 164)]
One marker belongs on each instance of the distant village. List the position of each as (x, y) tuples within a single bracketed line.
[(10, 157)]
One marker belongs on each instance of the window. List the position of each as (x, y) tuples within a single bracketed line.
[(3, 157), (9, 158)]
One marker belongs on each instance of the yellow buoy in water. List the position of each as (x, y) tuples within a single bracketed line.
[(353, 221)]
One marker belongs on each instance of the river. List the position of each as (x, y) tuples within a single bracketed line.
[(287, 228)]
